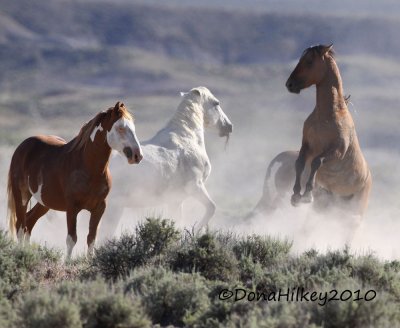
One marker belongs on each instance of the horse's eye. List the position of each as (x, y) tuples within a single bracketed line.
[(309, 62), (121, 129)]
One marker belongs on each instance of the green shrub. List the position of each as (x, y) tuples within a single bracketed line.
[(383, 311), (21, 267), (265, 250), (45, 310), (117, 257), (155, 236), (171, 298), (205, 254), (102, 305), (7, 314), (114, 310)]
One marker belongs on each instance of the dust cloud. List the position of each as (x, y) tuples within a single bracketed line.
[(235, 185)]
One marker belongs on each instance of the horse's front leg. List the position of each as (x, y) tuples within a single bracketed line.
[(299, 166), (95, 216), (72, 237)]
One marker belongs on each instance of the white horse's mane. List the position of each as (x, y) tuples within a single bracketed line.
[(188, 119), (189, 114)]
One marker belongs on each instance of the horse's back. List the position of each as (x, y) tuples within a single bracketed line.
[(35, 151), (147, 182), (40, 142)]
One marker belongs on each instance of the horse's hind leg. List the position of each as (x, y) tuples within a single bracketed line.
[(175, 210), (32, 216), (21, 199), (362, 197), (203, 197)]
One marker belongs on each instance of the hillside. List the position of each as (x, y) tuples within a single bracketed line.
[(79, 56)]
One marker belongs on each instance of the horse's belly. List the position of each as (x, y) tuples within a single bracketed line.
[(342, 182), (53, 199)]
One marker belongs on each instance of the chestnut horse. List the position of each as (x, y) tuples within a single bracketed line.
[(330, 144), (69, 176)]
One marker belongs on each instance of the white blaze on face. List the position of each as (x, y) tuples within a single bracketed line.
[(93, 134), (38, 194), (122, 135)]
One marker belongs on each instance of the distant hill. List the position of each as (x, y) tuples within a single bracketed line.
[(74, 55), (205, 35)]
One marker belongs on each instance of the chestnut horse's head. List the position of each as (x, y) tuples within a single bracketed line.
[(121, 134), (311, 68)]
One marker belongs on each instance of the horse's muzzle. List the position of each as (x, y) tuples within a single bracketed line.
[(293, 86), (134, 157), (225, 129)]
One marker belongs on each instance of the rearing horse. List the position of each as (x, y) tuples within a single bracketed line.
[(69, 176), (330, 141)]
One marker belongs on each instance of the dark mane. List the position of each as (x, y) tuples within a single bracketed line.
[(84, 134)]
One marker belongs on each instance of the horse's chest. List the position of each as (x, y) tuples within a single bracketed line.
[(87, 190)]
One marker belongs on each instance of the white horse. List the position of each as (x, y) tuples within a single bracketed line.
[(175, 163)]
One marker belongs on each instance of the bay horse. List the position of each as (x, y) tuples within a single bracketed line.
[(329, 144), (282, 179), (69, 176), (175, 166)]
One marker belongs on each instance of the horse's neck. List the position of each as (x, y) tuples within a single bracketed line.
[(96, 156), (330, 97), (186, 125)]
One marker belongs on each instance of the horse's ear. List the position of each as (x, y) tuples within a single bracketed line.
[(183, 94), (117, 107), (196, 92), (326, 49)]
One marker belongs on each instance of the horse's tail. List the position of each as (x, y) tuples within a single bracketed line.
[(265, 200), (11, 212)]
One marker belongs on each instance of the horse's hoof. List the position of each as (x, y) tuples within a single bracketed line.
[(307, 198), (295, 200)]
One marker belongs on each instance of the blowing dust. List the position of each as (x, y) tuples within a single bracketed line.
[(236, 182), (237, 195)]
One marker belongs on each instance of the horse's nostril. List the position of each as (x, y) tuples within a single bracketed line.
[(128, 152), (138, 156)]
